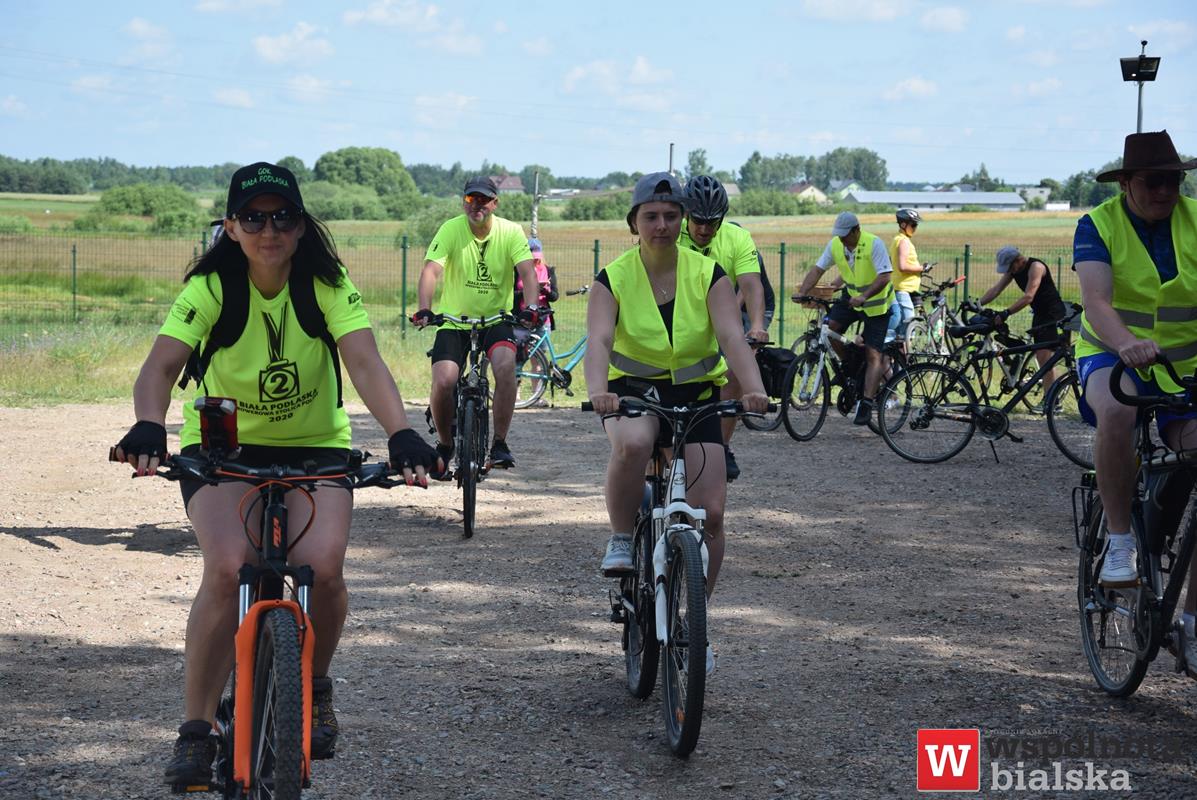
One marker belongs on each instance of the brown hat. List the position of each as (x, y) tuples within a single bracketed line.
[(1144, 151)]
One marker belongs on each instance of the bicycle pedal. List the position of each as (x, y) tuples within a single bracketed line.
[(192, 788)]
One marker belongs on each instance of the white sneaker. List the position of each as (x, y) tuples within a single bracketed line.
[(618, 560), (1118, 569), (710, 658), (1187, 648)]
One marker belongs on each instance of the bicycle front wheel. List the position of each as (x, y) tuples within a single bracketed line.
[(641, 648), (684, 680), (531, 380), (1071, 434), (1108, 617), (470, 455), (277, 765), (938, 412), (807, 397), (895, 398)]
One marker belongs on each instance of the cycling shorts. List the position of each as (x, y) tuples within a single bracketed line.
[(665, 393), (873, 329), (453, 345), (1087, 365)]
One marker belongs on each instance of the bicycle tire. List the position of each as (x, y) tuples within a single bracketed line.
[(532, 377), (222, 766), (469, 462), (921, 343), (1034, 400), (1072, 435), (895, 395), (277, 752), (807, 397), (641, 649), (939, 421), (683, 682), (1107, 617)]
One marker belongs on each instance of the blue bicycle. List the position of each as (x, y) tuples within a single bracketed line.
[(541, 367)]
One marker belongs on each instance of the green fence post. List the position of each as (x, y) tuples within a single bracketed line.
[(403, 289), (968, 252), (1059, 267), (74, 283), (204, 240), (780, 301), (597, 253)]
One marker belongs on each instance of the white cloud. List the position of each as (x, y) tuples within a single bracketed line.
[(154, 42), (853, 10), (1044, 58), (645, 73), (636, 87), (600, 74), (945, 19), (911, 87), (218, 6), (398, 13), (501, 27), (92, 84), (443, 111), (301, 44), (540, 46), (310, 89), (1017, 33), (233, 98), (913, 135), (140, 28), (455, 40), (11, 106), (1044, 87)]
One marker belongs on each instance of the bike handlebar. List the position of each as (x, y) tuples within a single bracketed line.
[(213, 469), (441, 319), (1175, 402), (806, 298), (584, 290), (636, 407)]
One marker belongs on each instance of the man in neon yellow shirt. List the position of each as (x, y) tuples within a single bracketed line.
[(478, 254), (733, 249)]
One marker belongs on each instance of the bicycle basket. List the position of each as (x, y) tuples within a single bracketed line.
[(774, 362)]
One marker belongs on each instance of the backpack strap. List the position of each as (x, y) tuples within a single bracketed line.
[(311, 319), (230, 324)]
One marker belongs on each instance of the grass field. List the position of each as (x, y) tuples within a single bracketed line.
[(78, 311)]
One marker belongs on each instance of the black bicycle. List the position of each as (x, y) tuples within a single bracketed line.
[(1122, 629), (471, 423), (662, 604), (945, 408), (262, 752)]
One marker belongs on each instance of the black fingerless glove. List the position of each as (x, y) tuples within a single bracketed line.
[(422, 317), (144, 439), (529, 317), (406, 449)]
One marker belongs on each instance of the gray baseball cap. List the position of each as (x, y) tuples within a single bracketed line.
[(1005, 258), (650, 188), (844, 224)]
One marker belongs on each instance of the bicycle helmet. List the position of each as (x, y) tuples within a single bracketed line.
[(708, 198), (908, 215)]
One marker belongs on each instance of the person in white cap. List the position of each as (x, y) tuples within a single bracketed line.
[(864, 265), (1039, 292)]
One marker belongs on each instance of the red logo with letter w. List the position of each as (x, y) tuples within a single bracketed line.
[(949, 760)]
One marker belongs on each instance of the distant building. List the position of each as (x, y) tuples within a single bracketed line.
[(732, 189), (1030, 193), (841, 187), (508, 184), (940, 201), (1062, 205), (805, 190)]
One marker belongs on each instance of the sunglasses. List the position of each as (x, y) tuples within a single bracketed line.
[(478, 199), (1162, 180), (700, 221), (284, 220)]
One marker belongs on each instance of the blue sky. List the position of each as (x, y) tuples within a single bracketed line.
[(1029, 87)]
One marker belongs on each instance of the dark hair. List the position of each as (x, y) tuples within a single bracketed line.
[(316, 255)]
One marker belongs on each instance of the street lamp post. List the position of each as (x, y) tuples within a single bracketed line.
[(1140, 69)]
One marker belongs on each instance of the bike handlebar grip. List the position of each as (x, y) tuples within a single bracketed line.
[(1145, 400), (587, 405)]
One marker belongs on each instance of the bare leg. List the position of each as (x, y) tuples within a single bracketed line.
[(444, 378), (502, 364), (708, 490)]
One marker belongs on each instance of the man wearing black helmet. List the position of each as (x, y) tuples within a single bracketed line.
[(733, 249)]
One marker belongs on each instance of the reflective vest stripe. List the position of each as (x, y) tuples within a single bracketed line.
[(1183, 353), (683, 374), (637, 368), (1137, 318), (1176, 313)]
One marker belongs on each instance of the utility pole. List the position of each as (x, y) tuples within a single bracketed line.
[(671, 158), (535, 202)]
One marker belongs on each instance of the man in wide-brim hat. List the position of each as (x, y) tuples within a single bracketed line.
[(1136, 257)]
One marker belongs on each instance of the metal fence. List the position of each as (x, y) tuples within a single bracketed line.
[(54, 279)]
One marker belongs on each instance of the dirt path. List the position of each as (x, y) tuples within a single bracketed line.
[(938, 596)]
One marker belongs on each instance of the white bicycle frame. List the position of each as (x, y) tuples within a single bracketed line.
[(824, 340), (669, 521)]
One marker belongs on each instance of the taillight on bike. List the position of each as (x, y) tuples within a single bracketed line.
[(218, 424)]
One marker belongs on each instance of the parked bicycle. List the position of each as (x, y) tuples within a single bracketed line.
[(262, 729), (471, 423), (539, 366), (946, 408), (927, 336), (818, 367), (662, 603), (1122, 629)]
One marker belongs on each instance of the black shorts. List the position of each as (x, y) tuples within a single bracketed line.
[(453, 345), (873, 330), (1049, 332), (665, 393), (257, 455)]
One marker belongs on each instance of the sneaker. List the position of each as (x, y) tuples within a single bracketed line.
[(500, 455), (1118, 569), (618, 560), (445, 451), (195, 750), (710, 658), (324, 719), (864, 410), (729, 461)]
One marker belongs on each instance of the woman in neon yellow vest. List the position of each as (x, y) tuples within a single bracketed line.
[(657, 318)]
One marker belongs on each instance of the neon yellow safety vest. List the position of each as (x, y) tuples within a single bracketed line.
[(1148, 308), (904, 281), (859, 275), (641, 347)]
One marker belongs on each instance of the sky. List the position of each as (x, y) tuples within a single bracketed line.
[(1030, 88)]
